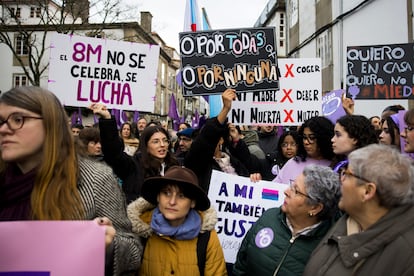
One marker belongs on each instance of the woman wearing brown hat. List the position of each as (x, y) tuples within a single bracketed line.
[(171, 215)]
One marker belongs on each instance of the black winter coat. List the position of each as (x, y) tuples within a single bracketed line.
[(200, 156)]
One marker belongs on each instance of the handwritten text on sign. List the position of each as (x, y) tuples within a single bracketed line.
[(299, 97), (239, 203), (215, 60), (380, 71), (119, 74)]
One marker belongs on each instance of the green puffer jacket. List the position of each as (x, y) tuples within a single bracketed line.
[(266, 243)]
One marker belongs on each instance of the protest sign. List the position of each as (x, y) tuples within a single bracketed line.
[(298, 99), (332, 105), (42, 248), (212, 61), (380, 71), (239, 203), (120, 74)]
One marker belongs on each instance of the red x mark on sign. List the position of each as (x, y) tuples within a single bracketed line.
[(289, 70), (288, 115), (286, 96)]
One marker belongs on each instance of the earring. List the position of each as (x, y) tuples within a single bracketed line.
[(311, 214)]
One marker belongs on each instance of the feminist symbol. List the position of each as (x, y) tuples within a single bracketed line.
[(269, 49), (264, 237)]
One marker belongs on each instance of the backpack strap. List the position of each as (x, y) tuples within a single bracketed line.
[(202, 242)]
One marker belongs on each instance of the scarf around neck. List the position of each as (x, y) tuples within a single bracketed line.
[(15, 191), (186, 231)]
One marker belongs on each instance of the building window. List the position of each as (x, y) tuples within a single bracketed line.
[(35, 12), (15, 12), (163, 72), (22, 48), (324, 48), (281, 43), (20, 80), (171, 81), (282, 19)]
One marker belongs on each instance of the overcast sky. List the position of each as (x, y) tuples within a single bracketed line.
[(168, 15)]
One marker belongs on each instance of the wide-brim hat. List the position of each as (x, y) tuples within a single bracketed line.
[(176, 175)]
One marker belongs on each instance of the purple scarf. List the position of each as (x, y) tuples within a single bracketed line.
[(15, 191)]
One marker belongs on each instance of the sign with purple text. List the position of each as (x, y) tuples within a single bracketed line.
[(239, 203), (380, 71), (119, 74), (42, 248), (298, 99), (212, 61)]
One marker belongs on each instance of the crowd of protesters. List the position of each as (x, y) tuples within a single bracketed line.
[(348, 207)]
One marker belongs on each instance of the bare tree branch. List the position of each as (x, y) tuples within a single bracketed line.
[(65, 16)]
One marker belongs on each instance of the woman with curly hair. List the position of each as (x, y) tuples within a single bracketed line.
[(351, 132), (314, 147)]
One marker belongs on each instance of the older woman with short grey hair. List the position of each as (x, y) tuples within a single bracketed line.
[(376, 236), (282, 239), (322, 185)]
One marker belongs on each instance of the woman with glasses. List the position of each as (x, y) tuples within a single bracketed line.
[(282, 239), (376, 234), (153, 158), (287, 147), (351, 132), (43, 178), (314, 148)]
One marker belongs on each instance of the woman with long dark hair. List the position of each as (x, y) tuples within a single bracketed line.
[(152, 159)]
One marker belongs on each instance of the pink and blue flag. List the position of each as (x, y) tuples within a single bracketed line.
[(270, 194)]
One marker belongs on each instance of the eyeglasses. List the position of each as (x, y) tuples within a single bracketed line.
[(157, 142), (285, 145), (344, 171), (294, 189), (311, 138), (16, 121)]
